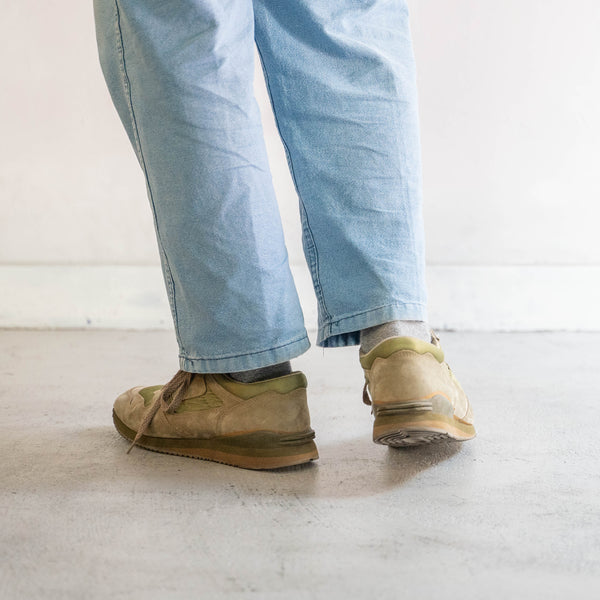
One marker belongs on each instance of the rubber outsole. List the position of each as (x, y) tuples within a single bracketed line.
[(256, 451), (420, 428)]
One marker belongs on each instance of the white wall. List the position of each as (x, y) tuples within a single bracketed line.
[(509, 96)]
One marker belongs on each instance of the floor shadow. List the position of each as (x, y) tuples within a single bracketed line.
[(360, 468), (95, 458)]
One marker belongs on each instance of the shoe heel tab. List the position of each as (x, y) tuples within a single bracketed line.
[(388, 347)]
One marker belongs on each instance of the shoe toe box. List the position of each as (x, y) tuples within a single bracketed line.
[(129, 407)]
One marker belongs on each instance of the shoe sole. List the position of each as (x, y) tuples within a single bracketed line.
[(420, 428), (258, 450)]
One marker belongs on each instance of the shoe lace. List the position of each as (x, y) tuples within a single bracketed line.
[(169, 399), (366, 398)]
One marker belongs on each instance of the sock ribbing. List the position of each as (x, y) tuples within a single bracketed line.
[(268, 372), (370, 337)]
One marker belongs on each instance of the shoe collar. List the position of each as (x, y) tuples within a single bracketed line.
[(282, 385), (388, 347)]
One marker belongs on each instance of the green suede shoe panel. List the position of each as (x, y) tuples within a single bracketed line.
[(282, 385), (196, 403), (148, 392)]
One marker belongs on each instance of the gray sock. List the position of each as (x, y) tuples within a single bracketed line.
[(268, 372), (370, 337)]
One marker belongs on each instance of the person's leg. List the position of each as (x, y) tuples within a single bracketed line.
[(181, 77), (341, 77)]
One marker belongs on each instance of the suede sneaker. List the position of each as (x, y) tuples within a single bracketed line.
[(259, 425), (414, 395)]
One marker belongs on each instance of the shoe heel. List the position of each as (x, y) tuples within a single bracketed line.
[(415, 427)]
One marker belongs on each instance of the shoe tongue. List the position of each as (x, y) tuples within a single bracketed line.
[(197, 386)]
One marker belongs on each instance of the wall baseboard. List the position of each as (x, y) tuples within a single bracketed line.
[(494, 298)]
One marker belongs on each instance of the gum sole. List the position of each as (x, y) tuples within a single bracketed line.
[(416, 429), (257, 451)]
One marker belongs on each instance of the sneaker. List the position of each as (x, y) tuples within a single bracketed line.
[(414, 395), (259, 425)]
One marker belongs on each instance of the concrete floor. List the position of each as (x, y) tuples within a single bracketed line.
[(514, 513)]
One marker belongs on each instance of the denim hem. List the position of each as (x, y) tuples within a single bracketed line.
[(346, 330), (247, 361)]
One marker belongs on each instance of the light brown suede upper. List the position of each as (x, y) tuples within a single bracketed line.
[(212, 408), (411, 371)]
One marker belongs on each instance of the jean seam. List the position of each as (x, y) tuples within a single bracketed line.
[(313, 262), (220, 356), (127, 89), (313, 257)]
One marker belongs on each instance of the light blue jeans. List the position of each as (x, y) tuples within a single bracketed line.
[(341, 79)]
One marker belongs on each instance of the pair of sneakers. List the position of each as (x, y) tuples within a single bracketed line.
[(414, 397)]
